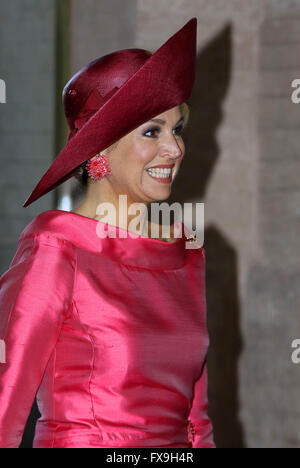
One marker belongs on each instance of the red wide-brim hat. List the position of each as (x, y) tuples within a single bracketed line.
[(114, 94)]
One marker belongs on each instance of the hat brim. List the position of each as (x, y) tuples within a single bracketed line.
[(164, 81)]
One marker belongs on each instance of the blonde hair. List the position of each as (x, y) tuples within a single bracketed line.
[(81, 174), (185, 111)]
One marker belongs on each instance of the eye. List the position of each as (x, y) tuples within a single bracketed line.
[(179, 129), (153, 129)]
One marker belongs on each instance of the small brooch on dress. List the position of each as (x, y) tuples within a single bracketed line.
[(191, 431), (196, 244)]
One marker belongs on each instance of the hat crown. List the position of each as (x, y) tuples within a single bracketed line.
[(105, 74)]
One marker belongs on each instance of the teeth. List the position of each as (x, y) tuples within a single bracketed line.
[(160, 173)]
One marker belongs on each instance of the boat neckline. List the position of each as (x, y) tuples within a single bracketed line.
[(131, 234)]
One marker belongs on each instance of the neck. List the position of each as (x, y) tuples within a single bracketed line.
[(107, 206)]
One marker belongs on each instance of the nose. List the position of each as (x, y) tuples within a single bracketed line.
[(172, 149)]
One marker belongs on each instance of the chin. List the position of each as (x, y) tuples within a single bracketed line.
[(162, 198), (157, 197), (150, 195)]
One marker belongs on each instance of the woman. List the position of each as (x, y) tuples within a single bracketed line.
[(107, 326), (142, 165)]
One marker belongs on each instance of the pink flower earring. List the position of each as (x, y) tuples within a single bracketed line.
[(98, 167)]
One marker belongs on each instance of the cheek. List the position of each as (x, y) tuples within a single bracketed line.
[(129, 165), (140, 155), (131, 157)]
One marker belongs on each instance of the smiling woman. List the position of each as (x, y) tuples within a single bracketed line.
[(141, 166), (109, 331), (82, 175)]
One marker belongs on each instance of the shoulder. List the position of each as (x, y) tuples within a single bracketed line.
[(42, 245), (58, 227), (50, 226)]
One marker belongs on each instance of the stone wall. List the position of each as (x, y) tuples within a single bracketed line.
[(269, 379), (27, 65)]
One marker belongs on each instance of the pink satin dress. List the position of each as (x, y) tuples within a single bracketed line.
[(109, 334)]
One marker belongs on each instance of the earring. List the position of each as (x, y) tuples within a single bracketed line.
[(98, 167)]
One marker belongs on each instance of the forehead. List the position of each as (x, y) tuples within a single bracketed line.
[(170, 116)]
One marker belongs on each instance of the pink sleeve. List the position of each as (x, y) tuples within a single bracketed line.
[(35, 297), (201, 429)]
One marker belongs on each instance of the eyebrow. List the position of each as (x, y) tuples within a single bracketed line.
[(163, 121)]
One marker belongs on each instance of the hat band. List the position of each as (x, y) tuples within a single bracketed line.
[(93, 103)]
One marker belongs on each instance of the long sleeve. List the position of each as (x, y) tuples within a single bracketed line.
[(201, 426), (35, 297)]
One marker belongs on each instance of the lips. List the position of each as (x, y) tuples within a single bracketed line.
[(164, 180), (162, 173)]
